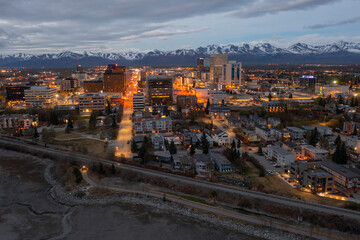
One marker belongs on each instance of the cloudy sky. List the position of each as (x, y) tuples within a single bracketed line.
[(38, 26)]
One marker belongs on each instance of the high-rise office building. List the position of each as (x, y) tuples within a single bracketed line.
[(115, 78), (16, 93), (160, 89), (231, 74), (217, 62)]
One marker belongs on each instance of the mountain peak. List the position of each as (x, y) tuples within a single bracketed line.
[(260, 50)]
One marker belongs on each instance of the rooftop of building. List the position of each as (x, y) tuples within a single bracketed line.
[(319, 173), (220, 158), (280, 150), (295, 129), (349, 173), (314, 149)]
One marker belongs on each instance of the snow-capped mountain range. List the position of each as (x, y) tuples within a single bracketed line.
[(340, 52)]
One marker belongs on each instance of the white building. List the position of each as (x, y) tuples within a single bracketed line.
[(19, 121), (40, 96), (296, 133), (139, 102), (322, 130), (314, 153), (263, 133), (89, 102), (157, 141), (231, 74), (353, 142), (221, 137), (281, 156), (153, 124)]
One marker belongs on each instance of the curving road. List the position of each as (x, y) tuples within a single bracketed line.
[(195, 182), (308, 232)]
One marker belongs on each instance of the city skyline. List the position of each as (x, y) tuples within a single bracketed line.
[(42, 27)]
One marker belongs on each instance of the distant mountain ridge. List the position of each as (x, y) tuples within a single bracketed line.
[(261, 53)]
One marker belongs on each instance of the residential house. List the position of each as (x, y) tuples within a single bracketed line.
[(222, 164), (209, 139), (353, 142), (221, 137), (157, 141), (296, 133), (182, 162), (263, 133), (279, 134), (162, 157), (250, 136), (203, 165), (273, 121)]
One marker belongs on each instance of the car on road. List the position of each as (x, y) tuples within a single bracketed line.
[(128, 141), (270, 172)]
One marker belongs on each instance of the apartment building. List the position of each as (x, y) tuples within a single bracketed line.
[(282, 157), (344, 178), (89, 102)]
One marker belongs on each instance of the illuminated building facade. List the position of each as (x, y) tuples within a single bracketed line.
[(89, 102), (93, 86), (16, 93), (160, 89), (115, 79), (231, 74), (40, 96)]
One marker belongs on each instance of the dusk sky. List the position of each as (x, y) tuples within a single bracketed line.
[(43, 26)]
